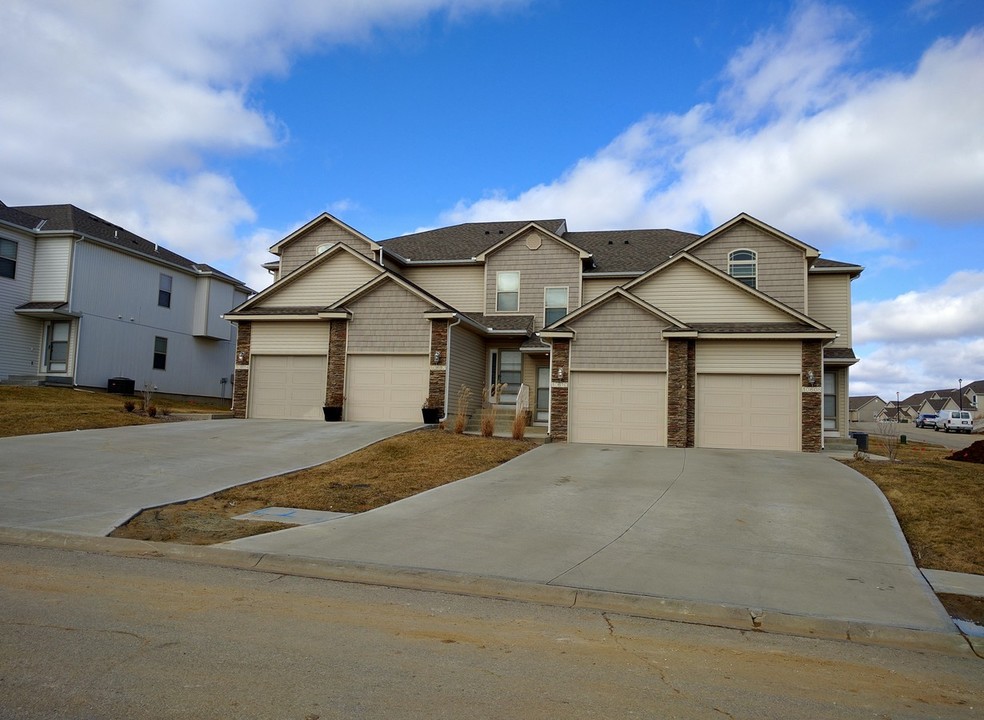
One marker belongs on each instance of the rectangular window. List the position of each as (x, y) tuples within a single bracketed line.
[(8, 258), (160, 353), (56, 350), (554, 304), (164, 291), (507, 291), (829, 401)]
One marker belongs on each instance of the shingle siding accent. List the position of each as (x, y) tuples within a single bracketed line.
[(240, 380), (781, 266), (335, 381), (306, 247), (551, 265), (681, 392), (559, 379), (812, 423), (618, 336), (389, 320)]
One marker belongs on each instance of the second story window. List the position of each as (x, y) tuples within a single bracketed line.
[(507, 291), (164, 291), (8, 258), (554, 304), (742, 266)]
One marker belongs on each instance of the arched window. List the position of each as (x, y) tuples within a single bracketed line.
[(324, 247), (742, 266)]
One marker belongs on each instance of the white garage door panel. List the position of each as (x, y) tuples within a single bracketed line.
[(287, 386), (618, 408), (754, 412), (385, 387)]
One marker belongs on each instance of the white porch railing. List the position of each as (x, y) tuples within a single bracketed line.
[(523, 399)]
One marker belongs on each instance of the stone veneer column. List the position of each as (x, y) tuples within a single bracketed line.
[(559, 379), (812, 394), (681, 382), (335, 380), (438, 380), (240, 378)]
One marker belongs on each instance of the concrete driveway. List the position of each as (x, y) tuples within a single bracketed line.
[(91, 481), (790, 532)]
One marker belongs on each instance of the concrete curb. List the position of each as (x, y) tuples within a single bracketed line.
[(671, 609)]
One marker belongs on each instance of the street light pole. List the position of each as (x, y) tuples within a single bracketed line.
[(960, 392), (898, 408)]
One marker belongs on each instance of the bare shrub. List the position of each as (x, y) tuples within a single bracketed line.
[(461, 411), (519, 426), (129, 405), (152, 411), (889, 432), (489, 409)]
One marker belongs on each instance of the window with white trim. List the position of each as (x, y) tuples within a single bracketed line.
[(507, 291), (324, 247), (554, 304), (743, 266), (8, 258), (164, 291), (160, 353)]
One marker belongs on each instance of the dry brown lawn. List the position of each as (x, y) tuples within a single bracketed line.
[(939, 503), (33, 410), (382, 473)]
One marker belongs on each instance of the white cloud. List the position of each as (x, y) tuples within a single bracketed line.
[(119, 107), (795, 138)]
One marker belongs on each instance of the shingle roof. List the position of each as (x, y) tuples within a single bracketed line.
[(282, 310), (73, 219), (45, 305), (17, 217), (839, 353), (776, 327), (459, 242), (859, 401), (629, 250), (507, 323)]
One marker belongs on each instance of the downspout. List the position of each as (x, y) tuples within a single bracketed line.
[(71, 309), (447, 365)]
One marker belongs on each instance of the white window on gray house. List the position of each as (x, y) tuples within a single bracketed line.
[(829, 401), (554, 304), (160, 353), (8, 258), (164, 291), (507, 291), (56, 347), (743, 266)]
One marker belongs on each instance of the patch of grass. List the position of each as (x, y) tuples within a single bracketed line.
[(939, 503), (382, 473), (33, 410)]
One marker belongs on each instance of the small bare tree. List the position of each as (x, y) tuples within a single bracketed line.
[(889, 433)]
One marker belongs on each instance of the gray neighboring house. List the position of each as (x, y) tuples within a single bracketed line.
[(83, 300), (866, 408)]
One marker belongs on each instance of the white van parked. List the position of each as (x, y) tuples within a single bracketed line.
[(955, 421)]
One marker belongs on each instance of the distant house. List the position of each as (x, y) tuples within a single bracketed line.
[(892, 413), (936, 405), (973, 395), (83, 301), (865, 408), (739, 338)]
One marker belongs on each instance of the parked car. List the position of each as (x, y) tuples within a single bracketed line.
[(926, 420), (955, 421)]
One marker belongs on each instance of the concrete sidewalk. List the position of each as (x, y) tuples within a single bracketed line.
[(90, 481), (771, 534)]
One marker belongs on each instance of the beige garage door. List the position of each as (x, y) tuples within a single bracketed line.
[(385, 387), (287, 386), (752, 412), (618, 408)]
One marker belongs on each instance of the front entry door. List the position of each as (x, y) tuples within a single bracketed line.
[(542, 394)]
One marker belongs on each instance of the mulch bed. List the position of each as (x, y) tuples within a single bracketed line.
[(973, 454)]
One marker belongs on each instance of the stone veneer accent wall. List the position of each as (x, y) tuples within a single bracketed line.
[(681, 392), (335, 381), (560, 368), (240, 380), (812, 412), (438, 379)]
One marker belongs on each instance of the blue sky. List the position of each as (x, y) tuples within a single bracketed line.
[(216, 128)]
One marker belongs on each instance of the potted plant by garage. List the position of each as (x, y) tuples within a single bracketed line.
[(333, 409), (433, 410)]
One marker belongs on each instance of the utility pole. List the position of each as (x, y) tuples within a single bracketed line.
[(898, 408), (960, 392)]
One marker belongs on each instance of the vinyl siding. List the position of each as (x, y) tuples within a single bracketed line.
[(21, 337), (209, 295), (692, 295), (618, 336), (389, 320), (289, 338), (552, 265), (305, 248), (830, 303), (467, 367), (332, 280), (749, 357), (458, 286), (781, 266), (591, 289), (52, 264)]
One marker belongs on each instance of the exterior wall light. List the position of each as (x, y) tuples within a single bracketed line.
[(437, 357), (240, 357)]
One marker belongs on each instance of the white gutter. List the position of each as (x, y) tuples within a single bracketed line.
[(447, 370)]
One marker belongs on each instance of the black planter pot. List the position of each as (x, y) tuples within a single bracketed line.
[(432, 416), (332, 414)]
